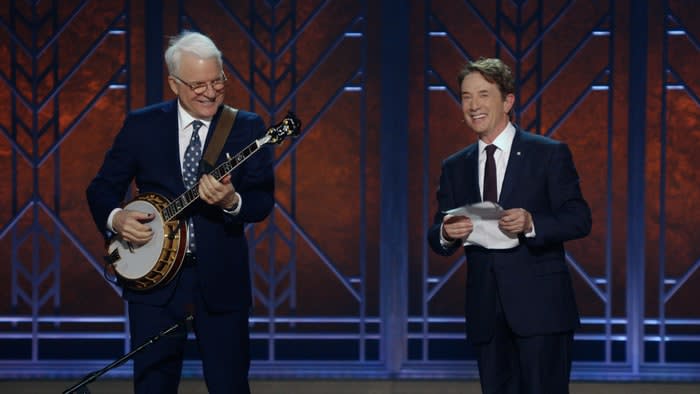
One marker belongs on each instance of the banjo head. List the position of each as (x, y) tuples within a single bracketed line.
[(137, 261), (157, 262)]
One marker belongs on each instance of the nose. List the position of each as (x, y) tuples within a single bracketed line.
[(210, 92)]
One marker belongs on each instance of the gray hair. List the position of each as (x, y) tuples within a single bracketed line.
[(192, 42)]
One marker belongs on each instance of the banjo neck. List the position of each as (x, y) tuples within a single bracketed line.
[(192, 194)]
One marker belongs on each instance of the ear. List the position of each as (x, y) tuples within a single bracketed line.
[(173, 85), (508, 102)]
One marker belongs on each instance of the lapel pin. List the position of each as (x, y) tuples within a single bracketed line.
[(517, 153)]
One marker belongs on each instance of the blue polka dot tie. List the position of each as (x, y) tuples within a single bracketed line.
[(193, 152), (190, 167)]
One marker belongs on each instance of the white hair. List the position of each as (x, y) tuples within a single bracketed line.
[(192, 42)]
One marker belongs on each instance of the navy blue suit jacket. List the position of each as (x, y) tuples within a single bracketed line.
[(146, 151), (532, 279)]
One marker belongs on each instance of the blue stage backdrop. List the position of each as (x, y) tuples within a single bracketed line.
[(345, 285)]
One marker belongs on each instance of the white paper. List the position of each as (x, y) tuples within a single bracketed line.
[(484, 217)]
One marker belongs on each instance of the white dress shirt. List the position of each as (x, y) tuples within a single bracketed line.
[(503, 143)]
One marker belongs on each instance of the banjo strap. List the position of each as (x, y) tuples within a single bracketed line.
[(223, 129)]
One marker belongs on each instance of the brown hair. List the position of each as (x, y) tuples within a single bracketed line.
[(494, 71)]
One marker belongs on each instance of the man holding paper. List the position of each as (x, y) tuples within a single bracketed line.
[(520, 306)]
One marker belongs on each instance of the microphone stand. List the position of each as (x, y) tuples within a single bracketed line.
[(81, 387)]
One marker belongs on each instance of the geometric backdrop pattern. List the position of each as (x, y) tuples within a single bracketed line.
[(561, 55), (72, 70), (576, 84), (674, 257), (58, 79)]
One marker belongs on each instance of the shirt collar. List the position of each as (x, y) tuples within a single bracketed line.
[(504, 140), (185, 119)]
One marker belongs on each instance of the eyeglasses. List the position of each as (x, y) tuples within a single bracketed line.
[(201, 87)]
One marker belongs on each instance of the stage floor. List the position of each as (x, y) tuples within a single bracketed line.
[(109, 386)]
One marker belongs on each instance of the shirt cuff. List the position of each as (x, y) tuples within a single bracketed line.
[(109, 219), (443, 242), (531, 234), (237, 209)]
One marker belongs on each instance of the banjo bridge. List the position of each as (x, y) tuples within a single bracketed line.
[(112, 257)]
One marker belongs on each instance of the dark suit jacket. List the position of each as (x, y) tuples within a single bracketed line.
[(146, 150), (532, 279)]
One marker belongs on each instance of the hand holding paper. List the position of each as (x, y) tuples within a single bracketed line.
[(485, 216)]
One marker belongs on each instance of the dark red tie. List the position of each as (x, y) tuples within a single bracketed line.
[(490, 183)]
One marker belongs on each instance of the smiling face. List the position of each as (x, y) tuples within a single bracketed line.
[(484, 107), (192, 70)]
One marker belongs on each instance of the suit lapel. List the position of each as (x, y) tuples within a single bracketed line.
[(171, 142), (470, 166), (514, 168)]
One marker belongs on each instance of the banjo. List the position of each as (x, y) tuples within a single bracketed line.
[(158, 261)]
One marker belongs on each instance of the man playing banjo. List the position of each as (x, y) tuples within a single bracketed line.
[(159, 147)]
